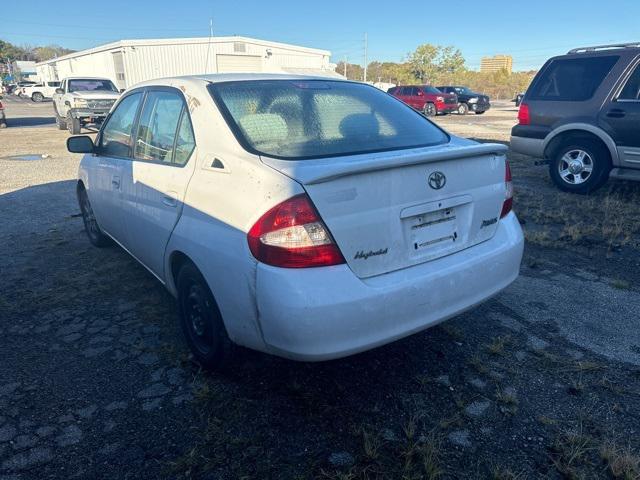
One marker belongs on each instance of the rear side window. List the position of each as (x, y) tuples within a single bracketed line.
[(116, 135), (157, 127), (572, 79), (300, 119), (631, 90)]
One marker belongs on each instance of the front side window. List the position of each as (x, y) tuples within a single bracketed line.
[(91, 85), (631, 90), (116, 135), (430, 89), (572, 79), (185, 141), (157, 127), (300, 119)]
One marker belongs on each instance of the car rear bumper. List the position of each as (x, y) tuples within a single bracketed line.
[(324, 313), (533, 147)]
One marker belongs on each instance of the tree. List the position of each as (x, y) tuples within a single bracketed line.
[(432, 63)]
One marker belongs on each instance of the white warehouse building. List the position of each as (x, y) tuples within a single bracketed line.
[(128, 62)]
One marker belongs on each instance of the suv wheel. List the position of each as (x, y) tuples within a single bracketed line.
[(463, 109), (96, 237), (430, 110), (37, 97), (580, 166), (201, 320)]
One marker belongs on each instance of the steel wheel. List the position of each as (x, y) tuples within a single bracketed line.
[(575, 167), (197, 309), (96, 237)]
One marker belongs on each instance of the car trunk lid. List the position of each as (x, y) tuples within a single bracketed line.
[(389, 211)]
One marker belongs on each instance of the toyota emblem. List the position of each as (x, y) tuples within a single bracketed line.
[(437, 180)]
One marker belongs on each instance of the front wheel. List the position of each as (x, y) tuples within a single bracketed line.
[(430, 110), (37, 97), (201, 320), (73, 125), (96, 237), (463, 109), (580, 166)]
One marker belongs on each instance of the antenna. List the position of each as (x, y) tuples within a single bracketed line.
[(206, 65)]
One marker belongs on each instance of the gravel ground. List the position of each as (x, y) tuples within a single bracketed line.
[(96, 381)]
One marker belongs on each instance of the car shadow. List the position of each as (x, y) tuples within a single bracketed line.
[(30, 121)]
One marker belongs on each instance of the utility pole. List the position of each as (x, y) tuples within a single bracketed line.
[(365, 56), (345, 66)]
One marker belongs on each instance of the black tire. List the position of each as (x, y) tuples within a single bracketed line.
[(37, 97), (430, 110), (96, 237), (600, 162), (60, 122), (463, 109), (479, 113), (201, 320), (73, 125)]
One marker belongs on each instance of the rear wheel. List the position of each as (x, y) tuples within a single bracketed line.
[(430, 110), (201, 320), (73, 124), (37, 97), (463, 109), (580, 166), (96, 237)]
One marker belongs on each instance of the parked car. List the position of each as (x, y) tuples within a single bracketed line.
[(426, 99), (83, 101), (3, 117), (518, 99), (469, 100), (20, 85), (582, 114), (40, 91), (309, 243)]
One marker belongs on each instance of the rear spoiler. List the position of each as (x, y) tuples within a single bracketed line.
[(309, 172)]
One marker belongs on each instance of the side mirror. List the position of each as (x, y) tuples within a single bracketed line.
[(60, 91), (420, 94), (80, 144)]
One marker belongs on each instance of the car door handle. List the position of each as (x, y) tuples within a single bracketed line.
[(115, 182), (616, 113), (169, 200)]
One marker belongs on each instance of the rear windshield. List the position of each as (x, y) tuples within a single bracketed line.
[(572, 79), (299, 119), (91, 86)]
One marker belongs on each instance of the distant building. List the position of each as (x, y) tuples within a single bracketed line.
[(26, 70), (128, 62), (497, 63)]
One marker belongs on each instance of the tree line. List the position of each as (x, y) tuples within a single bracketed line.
[(438, 65), (10, 52)]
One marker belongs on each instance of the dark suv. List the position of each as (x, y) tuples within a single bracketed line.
[(582, 114), (469, 100)]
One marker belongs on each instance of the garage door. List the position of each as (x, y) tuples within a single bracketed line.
[(239, 63)]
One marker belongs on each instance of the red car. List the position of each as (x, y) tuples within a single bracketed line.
[(426, 99)]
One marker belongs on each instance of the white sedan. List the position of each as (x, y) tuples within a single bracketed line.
[(305, 217)]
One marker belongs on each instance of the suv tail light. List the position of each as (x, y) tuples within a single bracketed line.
[(292, 235), (507, 206), (524, 116)]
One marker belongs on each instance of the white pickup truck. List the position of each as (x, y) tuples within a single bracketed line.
[(83, 101), (39, 91)]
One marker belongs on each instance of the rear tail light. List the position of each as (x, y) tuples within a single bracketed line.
[(292, 235), (507, 206), (524, 116)]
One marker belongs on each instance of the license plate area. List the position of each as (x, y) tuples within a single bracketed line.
[(433, 230), (438, 228)]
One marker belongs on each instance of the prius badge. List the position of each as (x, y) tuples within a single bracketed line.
[(437, 180)]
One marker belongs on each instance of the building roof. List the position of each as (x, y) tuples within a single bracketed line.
[(236, 77), (184, 41)]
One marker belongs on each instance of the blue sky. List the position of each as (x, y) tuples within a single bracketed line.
[(531, 31)]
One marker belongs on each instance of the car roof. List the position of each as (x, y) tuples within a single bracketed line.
[(85, 78), (232, 77)]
